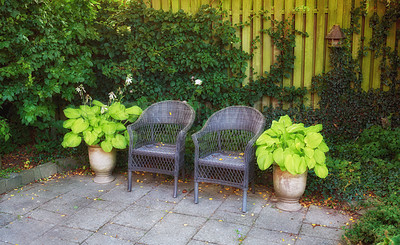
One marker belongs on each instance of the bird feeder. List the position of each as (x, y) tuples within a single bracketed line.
[(335, 36)]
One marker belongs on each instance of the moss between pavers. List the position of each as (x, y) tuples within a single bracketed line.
[(16, 180)]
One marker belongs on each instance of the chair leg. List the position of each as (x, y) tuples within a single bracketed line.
[(244, 207), (196, 192), (129, 180), (253, 187), (176, 185)]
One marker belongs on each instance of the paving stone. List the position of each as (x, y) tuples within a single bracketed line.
[(318, 215), (89, 219), (21, 203), (148, 201), (184, 220), (196, 242), (205, 207), (139, 217), (168, 233), (46, 240), (101, 204), (97, 239), (67, 205), (233, 203), (23, 231), (165, 193), (262, 236), (274, 219), (221, 232), (320, 231), (238, 218), (307, 240), (6, 218), (47, 216), (120, 194), (122, 232), (64, 234)]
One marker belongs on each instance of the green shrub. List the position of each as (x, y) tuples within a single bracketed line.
[(381, 220)]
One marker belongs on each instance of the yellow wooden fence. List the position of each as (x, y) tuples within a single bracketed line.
[(316, 17)]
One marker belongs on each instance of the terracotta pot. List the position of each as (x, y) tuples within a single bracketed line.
[(102, 163), (288, 189)]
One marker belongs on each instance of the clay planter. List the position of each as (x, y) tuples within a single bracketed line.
[(102, 163), (288, 189)]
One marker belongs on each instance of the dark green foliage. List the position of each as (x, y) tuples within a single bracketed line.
[(381, 220), (43, 55), (369, 165), (165, 52)]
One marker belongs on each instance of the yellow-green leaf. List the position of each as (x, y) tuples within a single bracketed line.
[(72, 113), (321, 170)]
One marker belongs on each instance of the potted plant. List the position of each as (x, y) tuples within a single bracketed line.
[(102, 128), (292, 149)]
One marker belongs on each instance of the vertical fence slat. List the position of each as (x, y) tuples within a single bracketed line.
[(267, 53), (298, 50), (156, 4), (185, 5), (390, 42), (332, 14), (246, 34), (257, 65), (175, 5), (309, 58), (356, 37), (346, 14), (376, 78), (165, 4), (366, 61)]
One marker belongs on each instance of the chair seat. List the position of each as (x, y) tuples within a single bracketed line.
[(157, 149), (224, 159)]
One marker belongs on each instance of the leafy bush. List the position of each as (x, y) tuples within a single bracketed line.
[(44, 52), (383, 219), (371, 164)]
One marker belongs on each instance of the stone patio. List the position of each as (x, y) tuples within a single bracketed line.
[(75, 210)]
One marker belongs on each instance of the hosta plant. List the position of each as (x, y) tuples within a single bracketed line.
[(293, 147), (99, 124)]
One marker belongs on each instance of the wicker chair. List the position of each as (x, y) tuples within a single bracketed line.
[(224, 149), (157, 140)]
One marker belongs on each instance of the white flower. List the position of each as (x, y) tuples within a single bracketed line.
[(103, 109), (112, 96), (198, 82), (128, 80)]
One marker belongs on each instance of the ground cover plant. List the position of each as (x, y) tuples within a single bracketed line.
[(51, 47)]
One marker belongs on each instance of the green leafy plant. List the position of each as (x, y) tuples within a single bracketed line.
[(293, 147), (4, 130), (99, 123)]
